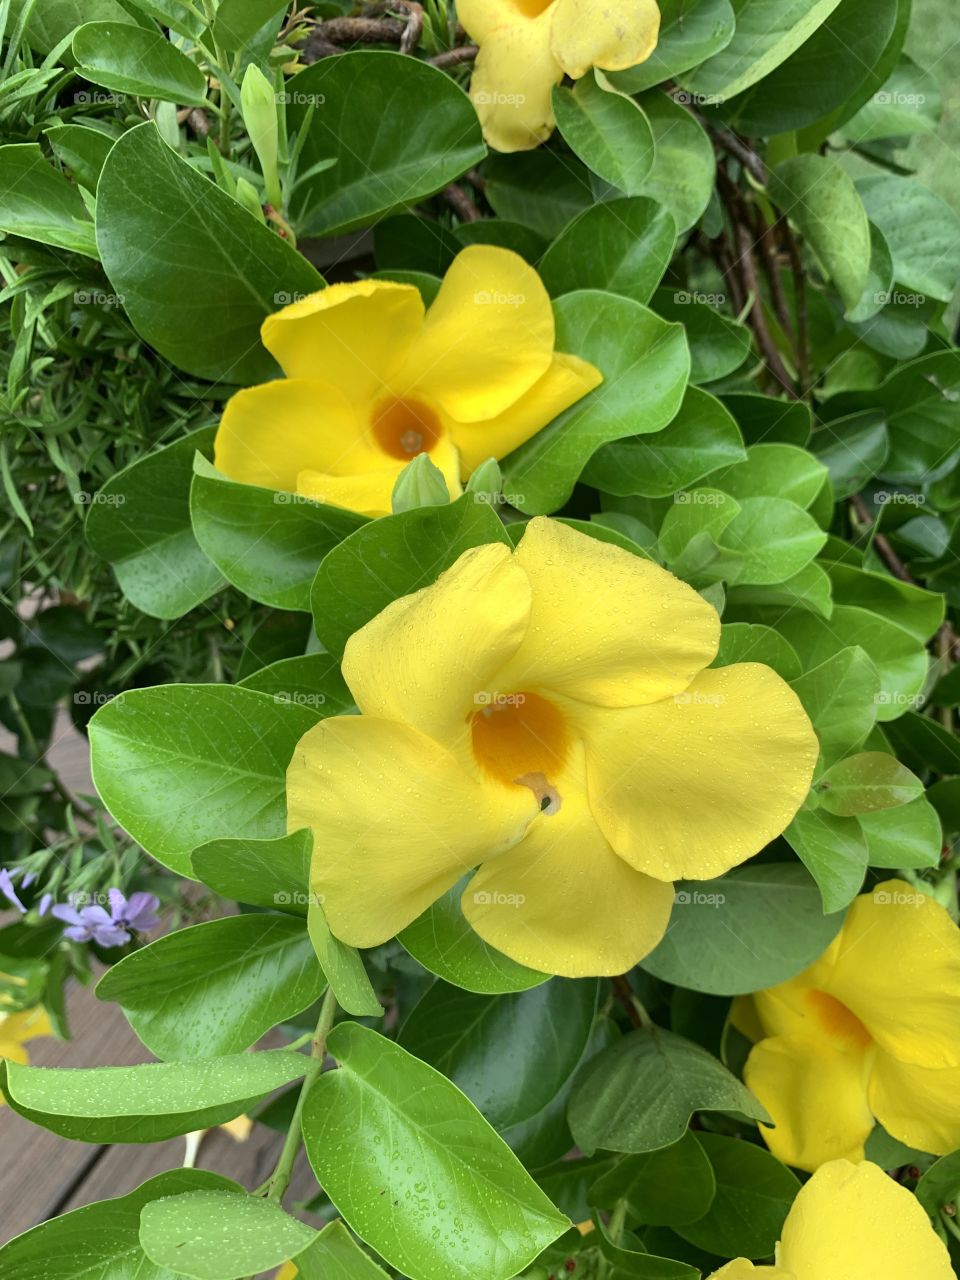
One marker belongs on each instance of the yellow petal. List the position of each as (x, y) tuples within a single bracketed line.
[(741, 1269), (371, 492), (610, 34), (607, 627), (428, 659), (287, 1272), (562, 902), (744, 1017), (239, 1128), (896, 965), (269, 434), (396, 822), (14, 1050), (354, 336), (692, 785), (852, 1222), (513, 78), (567, 380), (487, 338), (816, 1096), (26, 1025), (480, 18), (917, 1105)]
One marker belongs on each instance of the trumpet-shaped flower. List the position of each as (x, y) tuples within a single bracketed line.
[(545, 715), (373, 380), (527, 46), (871, 1031), (16, 1029), (852, 1222)]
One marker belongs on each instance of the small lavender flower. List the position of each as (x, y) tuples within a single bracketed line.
[(139, 914), (90, 924), (9, 892), (44, 906)]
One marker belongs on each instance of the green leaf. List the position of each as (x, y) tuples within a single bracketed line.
[(752, 642), (690, 32), (398, 128), (774, 470), (691, 529), (38, 203), (766, 420), (701, 438), (758, 926), (910, 102), (274, 874), (510, 1054), (639, 1094), (343, 967), (774, 538), (238, 22), (645, 362), (150, 1102), (907, 837), (335, 1255), (216, 988), (83, 151), (853, 450), (393, 557), (834, 851), (661, 1188), (266, 542), (754, 1196), (100, 1241), (416, 1171), (140, 522), (917, 611), (620, 246), (541, 189), (922, 230), (841, 698), (684, 169), (877, 300), (768, 32), (183, 764), (820, 197), (215, 1235), (718, 344), (444, 943), (53, 21), (138, 61), (607, 130), (213, 273), (313, 680), (864, 783), (940, 1185)]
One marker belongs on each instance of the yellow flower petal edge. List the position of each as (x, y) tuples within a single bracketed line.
[(17, 1029), (527, 46), (871, 1031), (487, 701), (373, 380)]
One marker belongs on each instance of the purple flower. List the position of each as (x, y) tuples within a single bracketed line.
[(91, 924), (9, 892), (138, 915), (44, 906)]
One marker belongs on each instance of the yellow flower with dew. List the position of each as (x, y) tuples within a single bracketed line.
[(527, 46), (871, 1031), (545, 715), (852, 1222), (373, 380), (16, 1029)]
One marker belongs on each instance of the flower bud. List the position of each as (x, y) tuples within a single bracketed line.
[(419, 484), (259, 104)]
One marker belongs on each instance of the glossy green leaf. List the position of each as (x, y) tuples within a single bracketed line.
[(213, 272), (313, 680), (398, 128), (266, 542), (691, 31), (541, 189), (853, 450), (645, 362), (138, 61), (865, 783), (180, 765), (386, 1133), (639, 1094), (39, 203), (150, 1102), (917, 611), (238, 22), (834, 851), (767, 420), (753, 642), (774, 539), (274, 874), (756, 927), (608, 130), (661, 1188), (622, 246), (216, 1235), (53, 21), (343, 967), (394, 557), (335, 1255), (719, 345), (841, 698), (910, 836), (683, 172), (81, 150), (774, 470), (922, 230), (216, 988), (910, 102), (140, 522)]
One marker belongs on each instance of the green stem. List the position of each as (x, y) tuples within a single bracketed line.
[(280, 1178)]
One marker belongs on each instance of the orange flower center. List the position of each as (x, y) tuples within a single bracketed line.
[(404, 428), (531, 8), (521, 739), (839, 1022)]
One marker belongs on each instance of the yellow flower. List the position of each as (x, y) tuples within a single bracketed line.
[(287, 1272), (17, 1028), (372, 381), (871, 1031), (527, 46), (545, 715), (852, 1222)]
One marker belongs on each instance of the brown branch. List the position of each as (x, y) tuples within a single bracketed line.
[(624, 995), (454, 57), (882, 542), (740, 150), (462, 205), (803, 319), (341, 31)]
